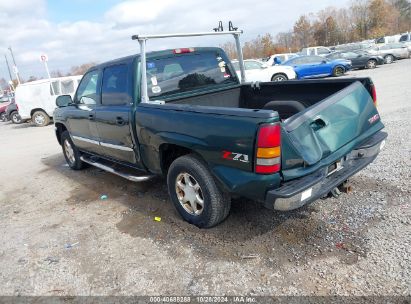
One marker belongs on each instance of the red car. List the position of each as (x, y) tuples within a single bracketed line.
[(4, 102)]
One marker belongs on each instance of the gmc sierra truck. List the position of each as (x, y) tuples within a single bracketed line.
[(185, 114)]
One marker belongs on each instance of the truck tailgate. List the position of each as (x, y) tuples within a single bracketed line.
[(346, 117)]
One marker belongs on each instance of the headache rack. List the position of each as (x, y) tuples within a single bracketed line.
[(217, 32)]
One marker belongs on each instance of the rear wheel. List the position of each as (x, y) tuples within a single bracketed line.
[(338, 71), (371, 64), (279, 77), (15, 118), (71, 153), (389, 59), (40, 119), (3, 117), (195, 194)]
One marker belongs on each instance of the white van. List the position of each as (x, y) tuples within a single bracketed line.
[(315, 50), (388, 39), (36, 100)]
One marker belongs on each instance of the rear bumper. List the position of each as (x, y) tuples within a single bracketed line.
[(307, 189)]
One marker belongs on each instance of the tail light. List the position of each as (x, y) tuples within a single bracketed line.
[(17, 106), (183, 50), (268, 154), (374, 94)]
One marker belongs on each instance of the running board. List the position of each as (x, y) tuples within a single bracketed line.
[(131, 177)]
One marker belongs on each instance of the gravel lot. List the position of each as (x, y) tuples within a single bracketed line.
[(358, 244)]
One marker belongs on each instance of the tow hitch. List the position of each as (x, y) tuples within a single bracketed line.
[(344, 187)]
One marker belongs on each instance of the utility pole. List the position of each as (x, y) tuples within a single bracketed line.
[(16, 71), (8, 68)]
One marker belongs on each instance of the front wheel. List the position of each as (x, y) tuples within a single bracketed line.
[(71, 153), (389, 59), (195, 194), (3, 117), (371, 64), (338, 71), (15, 118), (40, 119), (279, 77)]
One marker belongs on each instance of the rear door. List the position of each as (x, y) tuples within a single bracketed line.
[(345, 118), (81, 117), (114, 113)]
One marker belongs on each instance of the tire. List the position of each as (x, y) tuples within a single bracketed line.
[(389, 59), (15, 118), (40, 118), (70, 152), (338, 71), (189, 172), (279, 77), (371, 64), (3, 117)]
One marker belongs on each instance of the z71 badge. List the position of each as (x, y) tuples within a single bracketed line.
[(235, 156)]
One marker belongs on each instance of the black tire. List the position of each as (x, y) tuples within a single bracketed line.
[(216, 203), (389, 59), (74, 162), (371, 64), (279, 77), (40, 118), (3, 117), (15, 118), (338, 71)]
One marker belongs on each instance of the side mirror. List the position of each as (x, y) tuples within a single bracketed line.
[(63, 101), (324, 61)]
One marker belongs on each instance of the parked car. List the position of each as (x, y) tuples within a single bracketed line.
[(4, 102), (13, 114), (359, 59), (388, 39), (185, 115), (391, 51), (278, 58), (318, 66), (259, 71), (316, 50), (36, 100)]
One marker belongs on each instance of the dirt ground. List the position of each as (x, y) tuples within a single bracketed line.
[(58, 237)]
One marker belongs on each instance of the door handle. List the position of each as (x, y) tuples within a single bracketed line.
[(119, 121), (91, 116)]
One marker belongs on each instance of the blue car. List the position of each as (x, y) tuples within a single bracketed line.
[(317, 66)]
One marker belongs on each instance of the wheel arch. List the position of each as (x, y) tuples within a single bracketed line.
[(279, 73), (60, 128), (170, 152), (38, 109)]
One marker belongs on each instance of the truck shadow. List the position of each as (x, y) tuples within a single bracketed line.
[(250, 231)]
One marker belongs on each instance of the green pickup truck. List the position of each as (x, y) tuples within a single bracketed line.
[(184, 114)]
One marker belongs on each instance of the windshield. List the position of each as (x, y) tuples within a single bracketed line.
[(187, 72)]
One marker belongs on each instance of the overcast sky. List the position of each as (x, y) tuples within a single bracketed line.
[(72, 32)]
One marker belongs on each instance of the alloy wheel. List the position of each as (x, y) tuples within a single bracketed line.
[(189, 194)]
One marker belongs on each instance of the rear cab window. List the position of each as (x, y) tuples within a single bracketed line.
[(178, 73), (114, 90)]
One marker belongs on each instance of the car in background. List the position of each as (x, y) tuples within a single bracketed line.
[(318, 66), (391, 51), (12, 113), (256, 70), (36, 100), (388, 39), (278, 58), (316, 50), (4, 102), (359, 59), (406, 39)]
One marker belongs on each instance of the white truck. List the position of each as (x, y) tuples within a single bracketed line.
[(36, 100)]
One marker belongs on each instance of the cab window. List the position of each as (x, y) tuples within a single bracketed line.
[(252, 65), (114, 89), (87, 92)]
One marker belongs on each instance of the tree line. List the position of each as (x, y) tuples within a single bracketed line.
[(362, 20)]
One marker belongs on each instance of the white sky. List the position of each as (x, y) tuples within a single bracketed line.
[(31, 27)]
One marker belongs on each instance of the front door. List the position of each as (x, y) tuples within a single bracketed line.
[(81, 117), (113, 116)]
